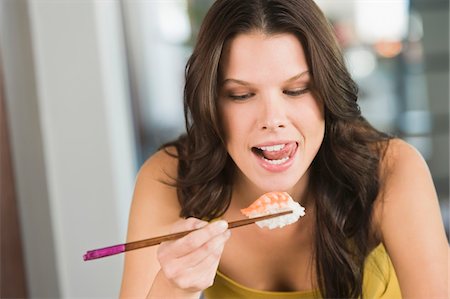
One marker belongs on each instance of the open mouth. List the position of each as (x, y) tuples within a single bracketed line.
[(276, 154)]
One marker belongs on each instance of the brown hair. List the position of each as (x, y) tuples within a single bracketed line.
[(343, 174)]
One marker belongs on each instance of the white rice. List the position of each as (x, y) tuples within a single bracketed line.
[(278, 222)]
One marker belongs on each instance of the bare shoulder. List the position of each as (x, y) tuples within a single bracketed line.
[(405, 179), (161, 165), (401, 156), (155, 193), (408, 219)]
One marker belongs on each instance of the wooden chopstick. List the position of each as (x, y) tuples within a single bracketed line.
[(116, 249)]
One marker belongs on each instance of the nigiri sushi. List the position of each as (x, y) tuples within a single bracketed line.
[(274, 202)]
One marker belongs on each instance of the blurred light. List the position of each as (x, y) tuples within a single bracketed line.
[(414, 53), (361, 62), (173, 21), (344, 31), (337, 10), (415, 27), (388, 49), (385, 20)]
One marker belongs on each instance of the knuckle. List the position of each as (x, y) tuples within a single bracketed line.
[(182, 224), (196, 223), (187, 224), (211, 230), (214, 247), (208, 247), (192, 242), (190, 222), (184, 283), (170, 272)]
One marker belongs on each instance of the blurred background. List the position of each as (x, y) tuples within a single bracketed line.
[(91, 88)]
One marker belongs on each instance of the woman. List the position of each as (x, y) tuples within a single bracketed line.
[(270, 106)]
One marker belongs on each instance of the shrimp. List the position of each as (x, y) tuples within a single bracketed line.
[(274, 202)]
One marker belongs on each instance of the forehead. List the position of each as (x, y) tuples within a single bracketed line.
[(258, 55)]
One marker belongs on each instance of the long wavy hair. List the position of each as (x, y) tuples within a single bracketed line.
[(344, 172)]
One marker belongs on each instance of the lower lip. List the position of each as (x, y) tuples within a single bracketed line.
[(277, 167)]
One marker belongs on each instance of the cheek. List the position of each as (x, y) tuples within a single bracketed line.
[(311, 122), (312, 113), (233, 134), (234, 121), (230, 127)]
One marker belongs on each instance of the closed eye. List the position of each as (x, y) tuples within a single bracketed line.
[(296, 92), (241, 97)]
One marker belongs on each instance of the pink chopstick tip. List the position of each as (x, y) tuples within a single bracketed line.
[(102, 252)]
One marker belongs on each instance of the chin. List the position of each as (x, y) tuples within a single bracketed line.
[(278, 184)]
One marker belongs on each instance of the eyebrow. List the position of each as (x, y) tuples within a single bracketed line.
[(245, 83)]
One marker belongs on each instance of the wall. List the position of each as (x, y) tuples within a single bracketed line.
[(71, 138)]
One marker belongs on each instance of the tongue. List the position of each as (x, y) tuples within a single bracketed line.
[(277, 155)]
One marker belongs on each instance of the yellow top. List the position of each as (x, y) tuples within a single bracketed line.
[(380, 281)]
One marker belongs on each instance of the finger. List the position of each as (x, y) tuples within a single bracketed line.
[(175, 269), (187, 224), (212, 248), (202, 275), (196, 239), (164, 250)]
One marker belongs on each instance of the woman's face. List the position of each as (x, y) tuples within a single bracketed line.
[(272, 123)]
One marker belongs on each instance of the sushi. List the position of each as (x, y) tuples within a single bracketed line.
[(274, 202)]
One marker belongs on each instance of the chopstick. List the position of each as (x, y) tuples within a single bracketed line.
[(116, 249)]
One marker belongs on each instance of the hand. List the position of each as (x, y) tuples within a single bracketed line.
[(190, 263)]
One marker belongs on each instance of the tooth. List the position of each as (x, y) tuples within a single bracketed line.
[(277, 162), (272, 148)]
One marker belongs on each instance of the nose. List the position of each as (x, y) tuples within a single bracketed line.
[(273, 113)]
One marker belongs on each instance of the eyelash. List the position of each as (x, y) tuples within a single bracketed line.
[(296, 92), (292, 93), (241, 97)]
